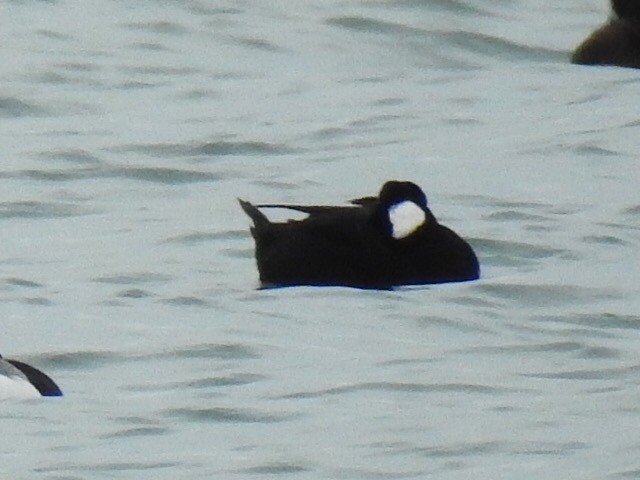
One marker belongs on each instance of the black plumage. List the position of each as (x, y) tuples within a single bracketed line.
[(355, 245)]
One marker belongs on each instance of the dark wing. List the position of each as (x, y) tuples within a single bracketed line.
[(38, 379)]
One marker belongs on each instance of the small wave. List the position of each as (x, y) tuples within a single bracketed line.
[(472, 42), (594, 150), (604, 321), (163, 175), (169, 176), (19, 282), (134, 278), (51, 35), (13, 108), (161, 70), (204, 237), (499, 203), (454, 6), (462, 449), (508, 253), (136, 432), (224, 415), (274, 469), (634, 474), (187, 301), (205, 149), (217, 351), (457, 324), (33, 209), (523, 250), (370, 25), (544, 295), (160, 27), (76, 156), (633, 211), (241, 148), (589, 374), (149, 46), (491, 46), (549, 448), (399, 387), (603, 240), (276, 184), (258, 44), (107, 466), (227, 381), (78, 360), (134, 293), (515, 216), (578, 349), (37, 301), (57, 175)]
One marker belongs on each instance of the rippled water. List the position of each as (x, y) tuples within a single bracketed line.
[(127, 272)]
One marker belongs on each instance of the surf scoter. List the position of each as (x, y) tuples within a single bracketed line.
[(376, 242)]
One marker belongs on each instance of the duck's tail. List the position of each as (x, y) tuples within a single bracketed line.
[(259, 219)]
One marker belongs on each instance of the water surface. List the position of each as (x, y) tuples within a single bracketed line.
[(127, 271)]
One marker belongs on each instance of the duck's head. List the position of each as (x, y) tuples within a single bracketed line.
[(403, 207), (627, 9)]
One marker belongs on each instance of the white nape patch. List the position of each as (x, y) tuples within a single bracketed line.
[(17, 388), (405, 217)]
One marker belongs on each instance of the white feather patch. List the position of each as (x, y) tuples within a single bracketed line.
[(405, 218), (17, 388)]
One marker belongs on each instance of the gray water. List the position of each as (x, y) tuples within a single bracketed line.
[(128, 129)]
